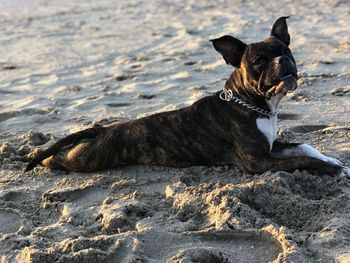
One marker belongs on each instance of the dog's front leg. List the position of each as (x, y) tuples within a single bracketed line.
[(289, 164), (283, 150)]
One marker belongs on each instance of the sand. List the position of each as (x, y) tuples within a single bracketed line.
[(65, 65)]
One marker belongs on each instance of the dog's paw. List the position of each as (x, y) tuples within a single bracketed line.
[(345, 172), (333, 161)]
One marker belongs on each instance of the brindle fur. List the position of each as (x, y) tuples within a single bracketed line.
[(209, 132)]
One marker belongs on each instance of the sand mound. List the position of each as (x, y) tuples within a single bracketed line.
[(175, 215)]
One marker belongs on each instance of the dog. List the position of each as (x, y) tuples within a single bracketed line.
[(237, 125)]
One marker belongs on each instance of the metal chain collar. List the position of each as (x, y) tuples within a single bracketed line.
[(227, 95)]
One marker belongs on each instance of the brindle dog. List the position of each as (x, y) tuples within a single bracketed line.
[(235, 126)]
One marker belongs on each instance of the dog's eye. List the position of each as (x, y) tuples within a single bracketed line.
[(287, 51), (258, 61)]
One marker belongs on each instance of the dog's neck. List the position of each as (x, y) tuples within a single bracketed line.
[(236, 84), (274, 101)]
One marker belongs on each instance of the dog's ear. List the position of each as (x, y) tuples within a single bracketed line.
[(230, 48), (280, 30)]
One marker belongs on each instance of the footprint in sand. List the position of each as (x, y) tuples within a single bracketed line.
[(77, 194), (307, 128), (146, 96), (124, 77), (122, 215), (203, 255), (25, 112), (156, 246), (209, 247), (31, 210), (289, 116), (290, 134), (34, 138), (7, 66), (10, 221), (15, 196), (343, 91), (83, 249), (118, 105)]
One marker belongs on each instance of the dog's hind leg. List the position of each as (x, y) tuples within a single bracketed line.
[(55, 153), (77, 158)]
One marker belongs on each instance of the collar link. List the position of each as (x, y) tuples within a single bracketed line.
[(227, 95)]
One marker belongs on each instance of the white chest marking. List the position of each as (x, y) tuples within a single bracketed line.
[(268, 126)]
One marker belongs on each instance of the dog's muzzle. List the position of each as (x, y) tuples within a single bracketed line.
[(290, 82), (289, 79), (287, 83)]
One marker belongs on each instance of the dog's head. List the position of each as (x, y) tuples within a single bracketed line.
[(266, 68)]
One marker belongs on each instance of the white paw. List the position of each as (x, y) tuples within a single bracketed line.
[(310, 151), (333, 161), (345, 172)]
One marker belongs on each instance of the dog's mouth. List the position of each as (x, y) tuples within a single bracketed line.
[(286, 84)]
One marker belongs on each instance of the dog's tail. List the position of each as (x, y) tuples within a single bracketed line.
[(71, 139)]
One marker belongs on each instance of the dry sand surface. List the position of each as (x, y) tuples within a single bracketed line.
[(65, 65)]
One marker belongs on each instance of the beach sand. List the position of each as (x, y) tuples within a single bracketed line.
[(65, 65)]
